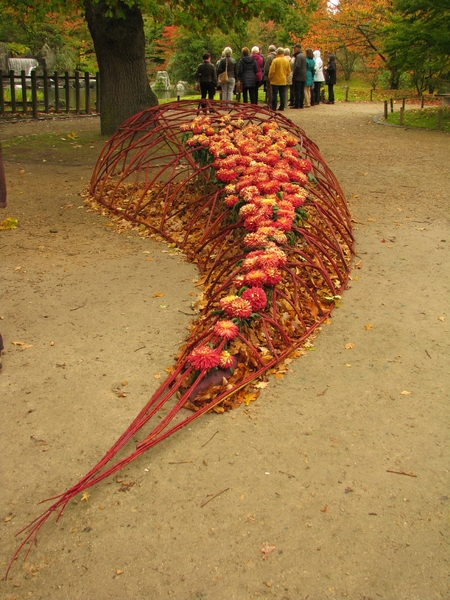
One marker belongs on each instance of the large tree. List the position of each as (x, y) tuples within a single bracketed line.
[(117, 30)]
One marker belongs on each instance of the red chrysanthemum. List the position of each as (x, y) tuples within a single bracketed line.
[(257, 298), (255, 278), (269, 187), (226, 175), (203, 358), (227, 361), (255, 240), (231, 200), (273, 275), (236, 307), (226, 329), (305, 165)]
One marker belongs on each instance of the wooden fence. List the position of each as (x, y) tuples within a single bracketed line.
[(36, 94)]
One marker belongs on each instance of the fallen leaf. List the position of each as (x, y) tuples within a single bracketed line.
[(348, 365), (119, 571), (6, 519), (266, 551), (349, 346), (109, 224), (163, 306), (262, 385), (85, 497), (371, 220), (149, 258), (124, 383), (358, 265), (383, 241), (9, 223), (248, 398), (405, 393), (369, 326), (157, 295), (324, 509), (441, 318), (157, 376), (22, 345)]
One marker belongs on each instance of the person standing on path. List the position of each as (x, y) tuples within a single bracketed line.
[(206, 75), (247, 74), (278, 74), (299, 76), (228, 64), (330, 78), (309, 84), (259, 72), (267, 62), (318, 76)]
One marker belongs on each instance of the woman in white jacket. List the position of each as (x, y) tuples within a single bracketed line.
[(318, 77)]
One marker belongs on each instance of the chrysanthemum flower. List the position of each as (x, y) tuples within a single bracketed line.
[(256, 296), (298, 176), (231, 200), (203, 358), (248, 210), (226, 175), (236, 307), (296, 200), (305, 165), (226, 329), (255, 278), (284, 223), (227, 360), (279, 175), (269, 187), (274, 233), (255, 240), (273, 275), (249, 192)]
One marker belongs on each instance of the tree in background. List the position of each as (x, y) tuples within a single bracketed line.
[(418, 41)]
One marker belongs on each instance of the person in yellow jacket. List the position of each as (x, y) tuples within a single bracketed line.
[(279, 72)]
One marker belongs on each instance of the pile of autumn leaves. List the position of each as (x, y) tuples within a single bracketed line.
[(263, 179)]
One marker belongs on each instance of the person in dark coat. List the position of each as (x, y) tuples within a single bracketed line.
[(299, 76), (247, 69), (330, 78), (206, 75)]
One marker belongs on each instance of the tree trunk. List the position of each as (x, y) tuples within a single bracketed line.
[(120, 48)]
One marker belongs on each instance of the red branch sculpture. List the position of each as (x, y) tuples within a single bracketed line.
[(244, 194)]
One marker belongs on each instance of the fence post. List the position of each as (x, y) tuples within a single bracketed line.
[(56, 80), (422, 100), (97, 92), (2, 97), (403, 103), (67, 90), (371, 94), (346, 93), (386, 110), (402, 110), (34, 102), (13, 91), (392, 105), (440, 123), (77, 92), (87, 93), (24, 91), (45, 80)]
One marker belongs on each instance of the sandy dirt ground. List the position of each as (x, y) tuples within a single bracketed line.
[(334, 484)]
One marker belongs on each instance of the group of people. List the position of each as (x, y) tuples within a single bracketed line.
[(288, 80)]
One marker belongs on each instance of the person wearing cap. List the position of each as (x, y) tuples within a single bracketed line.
[(278, 73), (299, 76), (267, 62)]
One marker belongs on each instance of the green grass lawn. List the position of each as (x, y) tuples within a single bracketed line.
[(426, 118)]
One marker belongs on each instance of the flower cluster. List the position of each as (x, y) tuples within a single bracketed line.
[(263, 178)]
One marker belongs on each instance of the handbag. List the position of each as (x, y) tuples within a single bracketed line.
[(238, 88), (223, 77)]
